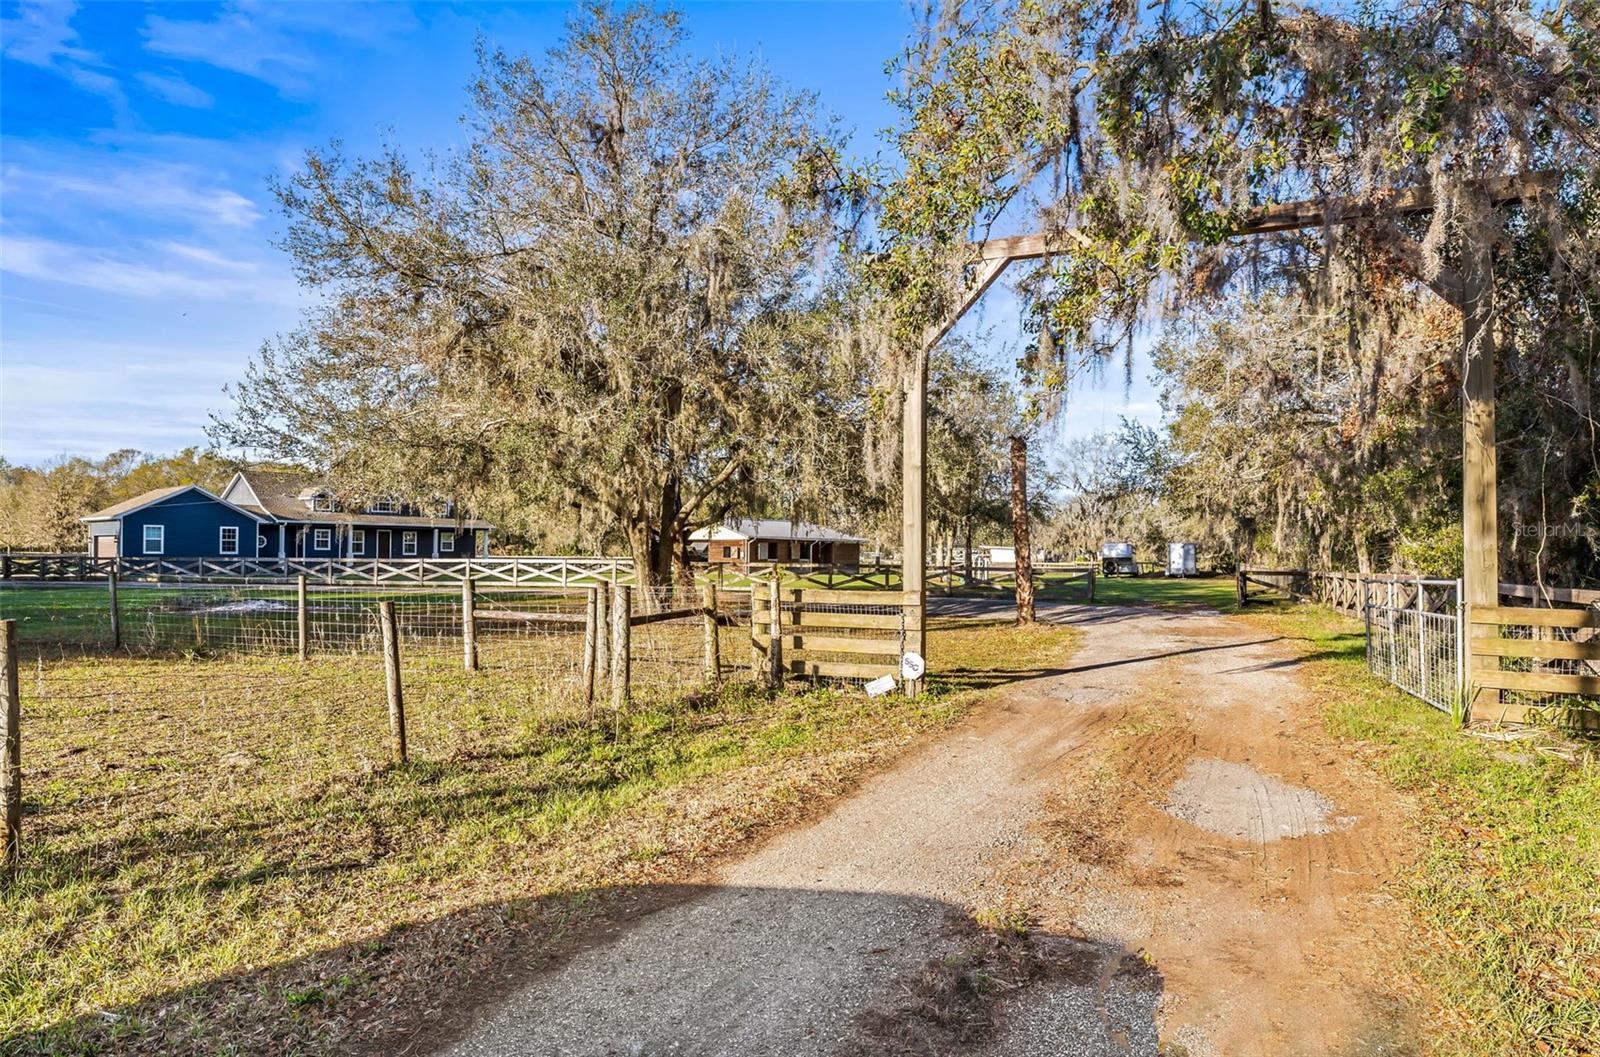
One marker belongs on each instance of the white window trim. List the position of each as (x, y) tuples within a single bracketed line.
[(222, 541), (322, 503), (385, 506), (322, 539), (447, 541), (161, 539), (358, 543), (408, 544)]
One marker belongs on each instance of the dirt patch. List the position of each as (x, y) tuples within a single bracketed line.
[(1236, 800)]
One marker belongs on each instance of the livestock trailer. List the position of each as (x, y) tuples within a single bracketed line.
[(1116, 559)]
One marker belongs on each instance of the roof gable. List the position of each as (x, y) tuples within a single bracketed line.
[(160, 495)]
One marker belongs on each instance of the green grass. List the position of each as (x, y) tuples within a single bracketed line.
[(1214, 592), (1507, 886), (220, 856)]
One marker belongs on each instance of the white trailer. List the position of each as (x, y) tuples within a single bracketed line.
[(1180, 560)]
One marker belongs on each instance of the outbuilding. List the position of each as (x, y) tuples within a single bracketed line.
[(746, 540)]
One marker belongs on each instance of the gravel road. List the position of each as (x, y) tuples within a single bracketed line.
[(822, 932)]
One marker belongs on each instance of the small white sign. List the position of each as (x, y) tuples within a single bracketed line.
[(880, 686), (912, 666)]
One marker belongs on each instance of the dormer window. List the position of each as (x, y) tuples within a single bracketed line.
[(385, 506), (322, 502)]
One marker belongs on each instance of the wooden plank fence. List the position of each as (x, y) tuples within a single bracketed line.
[(1526, 659), (828, 634)]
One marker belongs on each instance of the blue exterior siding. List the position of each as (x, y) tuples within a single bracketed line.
[(192, 524)]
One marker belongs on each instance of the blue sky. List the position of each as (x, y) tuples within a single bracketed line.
[(138, 268)]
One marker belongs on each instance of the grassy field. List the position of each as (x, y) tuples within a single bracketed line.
[(220, 857), (1507, 891), (1211, 592)]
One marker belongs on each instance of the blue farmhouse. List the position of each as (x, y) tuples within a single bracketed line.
[(273, 515)]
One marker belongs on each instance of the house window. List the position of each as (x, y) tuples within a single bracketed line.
[(408, 544), (155, 539), (228, 539), (447, 542), (358, 541), (321, 502), (727, 552), (385, 506), (322, 539)]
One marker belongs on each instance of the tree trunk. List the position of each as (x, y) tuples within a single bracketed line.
[(1019, 529), (966, 555)]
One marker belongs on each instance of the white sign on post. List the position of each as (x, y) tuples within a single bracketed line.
[(912, 666), (879, 686)]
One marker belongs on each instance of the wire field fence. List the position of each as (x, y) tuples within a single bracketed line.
[(449, 653)]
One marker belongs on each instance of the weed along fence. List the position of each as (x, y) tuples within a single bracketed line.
[(1537, 654), (829, 635)]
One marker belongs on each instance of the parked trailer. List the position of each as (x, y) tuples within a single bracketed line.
[(1116, 559), (1181, 560)]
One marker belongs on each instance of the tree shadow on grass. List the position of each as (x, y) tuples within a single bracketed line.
[(654, 969)]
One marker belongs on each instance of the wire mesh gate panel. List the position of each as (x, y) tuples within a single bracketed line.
[(1419, 652)]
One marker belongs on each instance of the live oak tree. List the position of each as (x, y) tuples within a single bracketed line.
[(617, 301), (1141, 137)]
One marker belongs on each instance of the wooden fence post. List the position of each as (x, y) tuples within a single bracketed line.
[(1091, 581), (621, 645), (391, 679), (11, 749), (592, 611), (302, 631), (116, 615), (1239, 587), (469, 625), (602, 632), (713, 658), (755, 646), (775, 633)]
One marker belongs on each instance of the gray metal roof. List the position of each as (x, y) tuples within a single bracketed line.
[(776, 529), (283, 495)]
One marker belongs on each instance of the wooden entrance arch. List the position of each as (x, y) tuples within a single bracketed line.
[(1471, 290)]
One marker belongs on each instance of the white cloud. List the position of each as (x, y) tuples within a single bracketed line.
[(51, 261), (175, 90), (270, 42), (41, 35), (141, 187)]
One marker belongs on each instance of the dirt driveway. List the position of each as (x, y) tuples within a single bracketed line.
[(1203, 873)]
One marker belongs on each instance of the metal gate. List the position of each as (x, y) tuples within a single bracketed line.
[(1421, 652)]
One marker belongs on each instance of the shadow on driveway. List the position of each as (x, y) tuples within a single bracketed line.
[(655, 970)]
